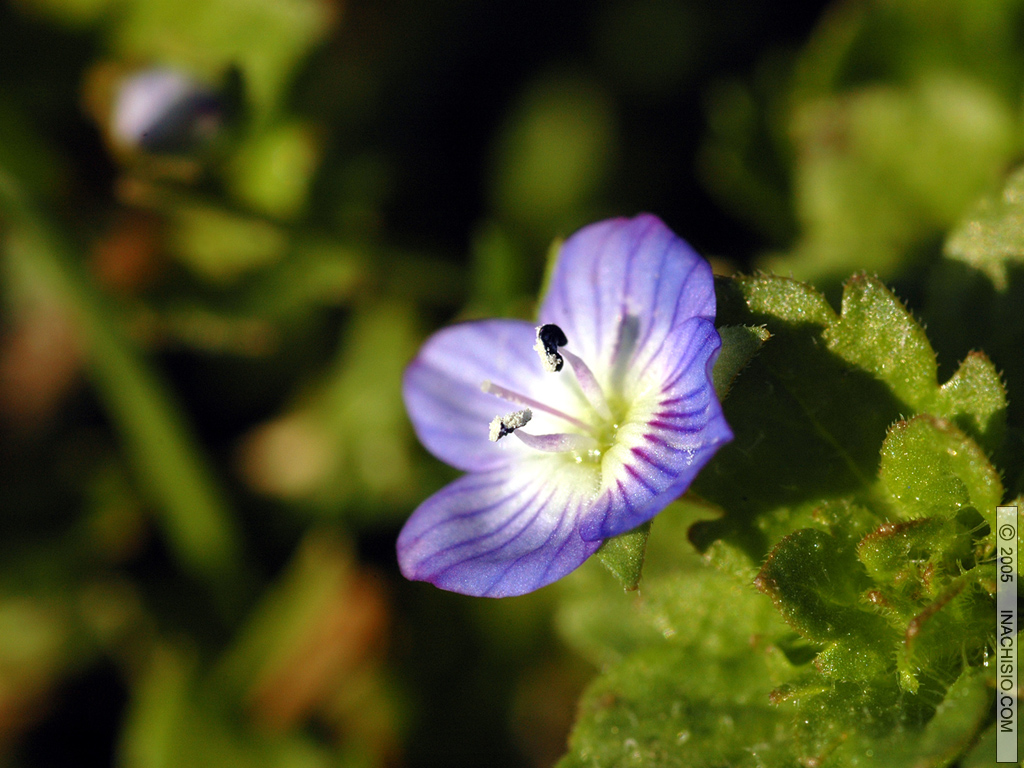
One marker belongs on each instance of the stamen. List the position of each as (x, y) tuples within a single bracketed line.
[(506, 425), (588, 383), (529, 402), (549, 338), (559, 442)]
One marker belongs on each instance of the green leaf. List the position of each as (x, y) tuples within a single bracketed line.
[(808, 424), (877, 334), (786, 300), (973, 301), (856, 724), (930, 467), (846, 521), (992, 235), (841, 424), (984, 748), (974, 399), (859, 487), (812, 410), (673, 707), (680, 599), (623, 555), (694, 692), (739, 345), (897, 552), (955, 725), (816, 582), (930, 589), (948, 633)]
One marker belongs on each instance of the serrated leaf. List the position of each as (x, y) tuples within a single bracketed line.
[(680, 599), (853, 662), (846, 521), (992, 235), (815, 583), (703, 696), (851, 724), (929, 467), (965, 312), (830, 714), (948, 633), (974, 399), (810, 414), (955, 726), (877, 334), (887, 610), (808, 424), (672, 708), (894, 550), (695, 692), (784, 299)]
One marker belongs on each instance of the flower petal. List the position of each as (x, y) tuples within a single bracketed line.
[(494, 534), (674, 429), (441, 387), (620, 286)]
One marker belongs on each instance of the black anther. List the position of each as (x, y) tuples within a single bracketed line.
[(552, 337)]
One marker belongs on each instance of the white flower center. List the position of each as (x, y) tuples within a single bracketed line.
[(590, 436)]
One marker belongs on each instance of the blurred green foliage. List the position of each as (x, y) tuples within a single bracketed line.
[(205, 456)]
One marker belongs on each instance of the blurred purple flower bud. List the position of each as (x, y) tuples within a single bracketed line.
[(164, 111)]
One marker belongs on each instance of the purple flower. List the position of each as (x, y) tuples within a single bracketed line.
[(572, 432)]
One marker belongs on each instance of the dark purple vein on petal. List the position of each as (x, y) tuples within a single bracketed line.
[(506, 542), (466, 515), (568, 540), (639, 478), (514, 563)]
